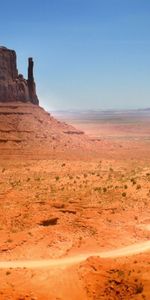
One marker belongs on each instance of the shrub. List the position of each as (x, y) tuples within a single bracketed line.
[(98, 189), (139, 288), (133, 181), (85, 175), (124, 194)]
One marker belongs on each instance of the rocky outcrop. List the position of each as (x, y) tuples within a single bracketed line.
[(13, 86), (27, 130)]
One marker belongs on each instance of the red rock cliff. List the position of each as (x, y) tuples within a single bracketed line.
[(13, 87)]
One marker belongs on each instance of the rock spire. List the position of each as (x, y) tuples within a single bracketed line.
[(13, 86)]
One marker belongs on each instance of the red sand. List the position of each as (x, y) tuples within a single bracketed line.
[(74, 204)]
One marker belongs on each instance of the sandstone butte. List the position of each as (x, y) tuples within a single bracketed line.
[(25, 127)]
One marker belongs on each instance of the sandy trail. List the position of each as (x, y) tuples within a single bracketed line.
[(67, 261)]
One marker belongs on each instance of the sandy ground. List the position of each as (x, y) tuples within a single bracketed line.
[(72, 260), (63, 209)]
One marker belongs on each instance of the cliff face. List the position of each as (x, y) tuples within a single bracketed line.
[(13, 87)]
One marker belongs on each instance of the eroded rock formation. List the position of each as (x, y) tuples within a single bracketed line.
[(26, 129), (13, 86)]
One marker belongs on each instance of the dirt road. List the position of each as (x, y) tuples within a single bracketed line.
[(68, 261)]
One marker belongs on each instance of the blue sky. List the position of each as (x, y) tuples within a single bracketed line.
[(88, 53)]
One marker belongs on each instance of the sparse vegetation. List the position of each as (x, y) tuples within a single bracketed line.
[(124, 194), (138, 186), (139, 288)]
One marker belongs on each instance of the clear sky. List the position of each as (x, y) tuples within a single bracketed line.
[(88, 54)]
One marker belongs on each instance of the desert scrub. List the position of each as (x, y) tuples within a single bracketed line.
[(138, 186), (57, 178), (63, 165), (15, 183), (139, 288), (147, 174), (133, 181), (98, 189), (85, 175), (9, 241), (92, 173), (124, 194), (8, 272), (37, 178)]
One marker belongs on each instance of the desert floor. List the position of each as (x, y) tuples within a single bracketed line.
[(58, 209)]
